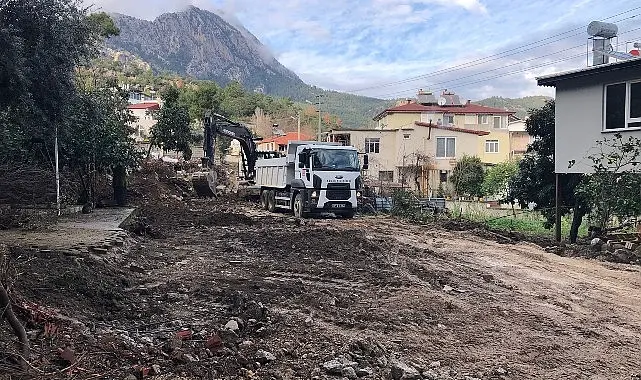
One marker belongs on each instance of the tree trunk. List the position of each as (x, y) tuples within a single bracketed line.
[(120, 185), (18, 329), (577, 218)]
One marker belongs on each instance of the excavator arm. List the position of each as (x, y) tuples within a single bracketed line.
[(214, 125)]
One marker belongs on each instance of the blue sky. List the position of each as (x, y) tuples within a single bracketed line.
[(368, 46)]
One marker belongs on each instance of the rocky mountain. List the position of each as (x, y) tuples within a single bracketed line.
[(519, 105), (202, 45)]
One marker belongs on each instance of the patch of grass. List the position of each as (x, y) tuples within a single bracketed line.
[(531, 223)]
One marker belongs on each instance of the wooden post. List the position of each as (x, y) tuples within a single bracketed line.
[(557, 223)]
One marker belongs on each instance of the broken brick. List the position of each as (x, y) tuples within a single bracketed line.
[(214, 342), (184, 334), (67, 354)]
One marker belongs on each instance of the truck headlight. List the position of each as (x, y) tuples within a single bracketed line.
[(314, 194)]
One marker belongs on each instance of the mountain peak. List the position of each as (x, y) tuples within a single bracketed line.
[(203, 45)]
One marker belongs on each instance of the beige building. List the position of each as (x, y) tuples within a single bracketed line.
[(519, 138), (421, 156), (143, 112), (417, 144)]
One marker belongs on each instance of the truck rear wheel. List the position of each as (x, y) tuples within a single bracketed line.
[(264, 203), (298, 206), (271, 201)]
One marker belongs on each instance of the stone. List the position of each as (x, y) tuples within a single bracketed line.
[(435, 364), (363, 372), (264, 357), (155, 369), (623, 255), (349, 372), (447, 288), (190, 358), (99, 250), (501, 371), (131, 377), (136, 268), (347, 362), (401, 371), (596, 241), (171, 296), (333, 367), (232, 325), (430, 374)]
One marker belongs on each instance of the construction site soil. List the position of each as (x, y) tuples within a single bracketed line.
[(219, 289)]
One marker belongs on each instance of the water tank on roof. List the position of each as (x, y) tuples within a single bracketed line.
[(602, 29)]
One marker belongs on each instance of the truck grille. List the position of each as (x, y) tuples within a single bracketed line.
[(338, 191)]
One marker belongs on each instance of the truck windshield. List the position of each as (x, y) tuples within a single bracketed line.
[(335, 159)]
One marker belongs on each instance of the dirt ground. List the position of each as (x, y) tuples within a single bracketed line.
[(219, 289)]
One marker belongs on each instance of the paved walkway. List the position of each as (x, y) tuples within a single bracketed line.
[(96, 232)]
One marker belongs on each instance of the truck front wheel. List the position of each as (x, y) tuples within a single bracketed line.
[(298, 206), (348, 215)]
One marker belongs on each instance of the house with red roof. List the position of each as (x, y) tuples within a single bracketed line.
[(416, 144), (144, 114), (279, 143)]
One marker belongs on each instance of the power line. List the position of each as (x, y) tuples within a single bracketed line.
[(513, 51), (465, 84)]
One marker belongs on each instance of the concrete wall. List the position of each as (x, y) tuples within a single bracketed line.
[(579, 118), (503, 137), (399, 120), (519, 141)]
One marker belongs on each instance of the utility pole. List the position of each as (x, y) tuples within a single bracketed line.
[(319, 116), (57, 172), (298, 119)]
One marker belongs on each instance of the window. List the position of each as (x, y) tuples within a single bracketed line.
[(498, 122), (406, 136), (448, 119), (443, 176), (372, 145), (425, 117), (445, 147), (483, 119), (386, 176), (491, 146), (622, 105)]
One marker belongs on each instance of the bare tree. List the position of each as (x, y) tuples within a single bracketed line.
[(419, 168)]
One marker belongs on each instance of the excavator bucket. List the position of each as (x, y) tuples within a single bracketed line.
[(204, 183)]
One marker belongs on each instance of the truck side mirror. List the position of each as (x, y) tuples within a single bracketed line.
[(365, 162)]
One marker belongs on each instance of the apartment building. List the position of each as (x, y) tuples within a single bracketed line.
[(417, 144)]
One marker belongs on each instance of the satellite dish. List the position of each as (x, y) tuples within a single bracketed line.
[(442, 101)]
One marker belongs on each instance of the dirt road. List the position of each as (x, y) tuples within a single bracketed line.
[(372, 297)]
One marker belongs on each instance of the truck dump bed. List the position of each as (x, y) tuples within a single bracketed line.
[(274, 172)]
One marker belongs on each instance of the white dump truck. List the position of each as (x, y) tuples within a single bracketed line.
[(313, 177), (309, 178)]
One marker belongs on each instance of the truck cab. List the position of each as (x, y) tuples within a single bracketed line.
[(328, 178)]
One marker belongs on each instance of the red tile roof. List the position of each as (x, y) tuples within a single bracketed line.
[(453, 129), (464, 109), (283, 140), (144, 106)]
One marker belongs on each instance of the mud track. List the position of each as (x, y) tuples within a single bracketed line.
[(372, 290)]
